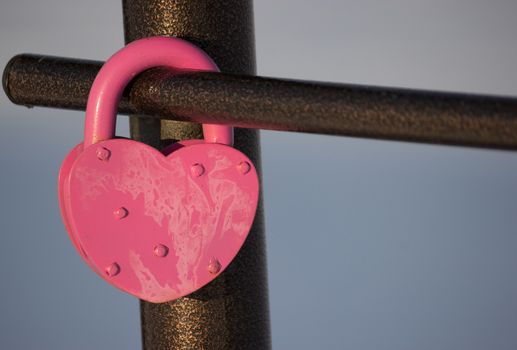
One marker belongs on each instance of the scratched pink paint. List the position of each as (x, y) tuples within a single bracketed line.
[(195, 217), (156, 225)]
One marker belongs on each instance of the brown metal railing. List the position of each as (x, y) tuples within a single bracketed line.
[(277, 104)]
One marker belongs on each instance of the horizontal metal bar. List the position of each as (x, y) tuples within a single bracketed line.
[(276, 104)]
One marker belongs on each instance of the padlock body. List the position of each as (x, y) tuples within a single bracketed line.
[(158, 226)]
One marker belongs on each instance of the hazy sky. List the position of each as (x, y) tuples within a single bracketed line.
[(371, 244)]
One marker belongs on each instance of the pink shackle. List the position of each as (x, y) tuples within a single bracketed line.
[(124, 65)]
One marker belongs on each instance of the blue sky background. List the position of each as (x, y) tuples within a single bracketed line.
[(371, 244)]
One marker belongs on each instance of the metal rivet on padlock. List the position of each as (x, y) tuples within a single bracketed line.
[(197, 170), (214, 266), (103, 153), (161, 251), (120, 213), (244, 167), (187, 205), (113, 270)]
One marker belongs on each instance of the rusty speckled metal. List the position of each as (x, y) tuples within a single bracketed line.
[(232, 311), (276, 104)]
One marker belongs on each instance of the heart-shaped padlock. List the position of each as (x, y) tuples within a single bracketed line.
[(156, 225)]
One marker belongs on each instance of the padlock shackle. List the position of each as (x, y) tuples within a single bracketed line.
[(124, 65)]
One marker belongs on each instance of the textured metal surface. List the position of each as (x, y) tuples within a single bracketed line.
[(232, 311), (333, 109), (35, 80), (265, 103)]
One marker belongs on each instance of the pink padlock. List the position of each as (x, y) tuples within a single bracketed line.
[(156, 225)]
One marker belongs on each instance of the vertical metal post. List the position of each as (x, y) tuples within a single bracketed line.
[(232, 311)]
